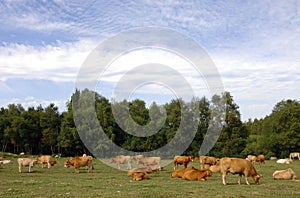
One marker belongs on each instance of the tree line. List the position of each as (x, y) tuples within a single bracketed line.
[(45, 130)]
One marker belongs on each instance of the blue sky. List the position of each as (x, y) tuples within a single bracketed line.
[(254, 44)]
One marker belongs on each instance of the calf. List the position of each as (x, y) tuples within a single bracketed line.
[(52, 163), (284, 174), (238, 166), (196, 175), (26, 162), (182, 160)]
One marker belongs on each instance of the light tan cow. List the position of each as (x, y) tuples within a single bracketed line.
[(149, 161), (44, 159), (122, 159), (251, 158), (294, 155), (207, 161), (215, 169), (238, 166), (139, 170), (182, 160), (284, 174), (196, 175), (78, 162), (26, 162)]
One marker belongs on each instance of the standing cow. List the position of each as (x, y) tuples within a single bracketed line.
[(26, 162), (182, 160)]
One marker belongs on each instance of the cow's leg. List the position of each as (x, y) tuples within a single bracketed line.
[(224, 178), (239, 179), (49, 165), (29, 169), (129, 165), (20, 168), (246, 178)]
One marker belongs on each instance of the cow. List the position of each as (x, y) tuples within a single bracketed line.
[(3, 161), (215, 168), (138, 176), (122, 159), (26, 162), (139, 170), (284, 161), (207, 161), (78, 162), (196, 175), (52, 163), (251, 158), (180, 172), (149, 161), (238, 166), (44, 159), (182, 160), (284, 174), (294, 154)]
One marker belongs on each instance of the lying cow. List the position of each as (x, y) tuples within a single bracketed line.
[(182, 160), (140, 176), (180, 172), (284, 174), (284, 161), (78, 162), (139, 170), (149, 161), (44, 160), (26, 162), (196, 175), (238, 166), (122, 159)]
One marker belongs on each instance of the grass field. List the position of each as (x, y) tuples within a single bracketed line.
[(106, 181)]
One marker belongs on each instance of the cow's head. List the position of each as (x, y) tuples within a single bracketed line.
[(256, 178)]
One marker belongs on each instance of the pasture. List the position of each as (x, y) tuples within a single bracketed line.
[(106, 181)]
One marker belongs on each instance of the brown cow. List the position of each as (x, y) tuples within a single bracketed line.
[(44, 158), (260, 159), (196, 175), (180, 172), (140, 176), (122, 159), (78, 162), (149, 161), (26, 162), (207, 161), (182, 160), (238, 166), (284, 174)]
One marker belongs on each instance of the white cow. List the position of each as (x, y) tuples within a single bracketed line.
[(26, 162), (284, 161)]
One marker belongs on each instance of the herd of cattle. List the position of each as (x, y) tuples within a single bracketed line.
[(208, 166)]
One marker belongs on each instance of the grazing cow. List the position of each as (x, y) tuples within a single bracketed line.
[(26, 162), (196, 175), (260, 159), (180, 172), (139, 176), (238, 166), (284, 161), (149, 161), (52, 163), (122, 159), (207, 161), (284, 174), (295, 154), (44, 159), (182, 160), (78, 162)]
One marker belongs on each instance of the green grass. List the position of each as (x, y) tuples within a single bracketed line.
[(109, 182)]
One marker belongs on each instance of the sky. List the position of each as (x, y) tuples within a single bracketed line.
[(254, 45)]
